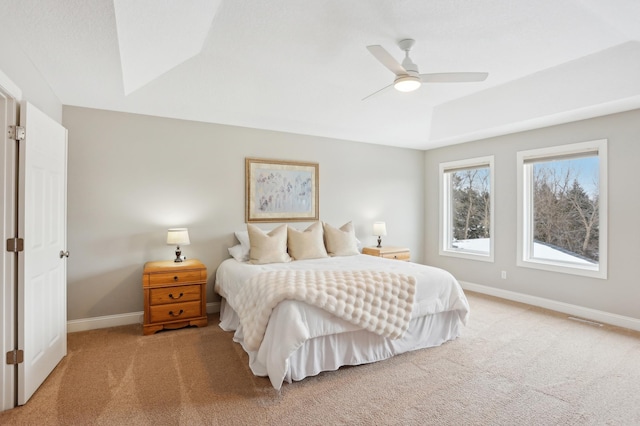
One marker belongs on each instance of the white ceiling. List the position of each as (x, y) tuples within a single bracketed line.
[(303, 67)]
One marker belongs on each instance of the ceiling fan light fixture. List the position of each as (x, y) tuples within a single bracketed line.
[(407, 83)]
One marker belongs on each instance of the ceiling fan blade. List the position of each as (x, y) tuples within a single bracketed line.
[(386, 59), (377, 91), (454, 77)]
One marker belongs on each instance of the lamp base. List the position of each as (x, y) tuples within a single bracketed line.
[(178, 253), (379, 243)]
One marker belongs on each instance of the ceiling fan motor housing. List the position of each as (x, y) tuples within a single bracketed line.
[(407, 63)]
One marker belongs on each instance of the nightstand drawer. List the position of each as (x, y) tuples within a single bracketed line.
[(404, 255), (175, 311), (186, 293), (177, 277)]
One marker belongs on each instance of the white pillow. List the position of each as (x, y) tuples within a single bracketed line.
[(268, 248), (307, 244), (342, 241), (243, 237), (239, 253)]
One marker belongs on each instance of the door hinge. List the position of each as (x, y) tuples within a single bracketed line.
[(15, 357), (15, 245), (16, 133)]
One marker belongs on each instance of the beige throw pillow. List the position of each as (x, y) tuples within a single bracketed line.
[(307, 244), (268, 248), (342, 241)]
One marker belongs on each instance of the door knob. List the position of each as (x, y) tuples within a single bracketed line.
[(64, 254)]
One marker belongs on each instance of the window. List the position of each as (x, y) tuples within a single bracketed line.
[(562, 208), (466, 209)]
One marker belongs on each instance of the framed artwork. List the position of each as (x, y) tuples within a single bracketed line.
[(280, 191)]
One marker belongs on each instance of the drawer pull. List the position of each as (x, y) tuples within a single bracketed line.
[(178, 314), (175, 278), (171, 296)]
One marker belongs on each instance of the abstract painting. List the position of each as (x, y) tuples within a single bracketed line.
[(280, 191)]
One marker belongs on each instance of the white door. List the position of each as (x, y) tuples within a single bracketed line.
[(42, 266), (8, 229)]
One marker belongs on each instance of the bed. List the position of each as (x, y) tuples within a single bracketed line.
[(302, 340)]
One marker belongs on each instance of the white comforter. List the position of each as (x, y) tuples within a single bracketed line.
[(293, 323)]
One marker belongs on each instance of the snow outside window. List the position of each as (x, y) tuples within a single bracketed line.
[(466, 208), (562, 208)]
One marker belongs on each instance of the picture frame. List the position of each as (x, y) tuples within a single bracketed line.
[(281, 191)]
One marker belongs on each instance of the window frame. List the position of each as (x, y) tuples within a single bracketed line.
[(525, 160), (446, 210)]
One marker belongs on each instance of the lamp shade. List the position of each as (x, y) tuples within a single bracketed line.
[(380, 229), (178, 237)]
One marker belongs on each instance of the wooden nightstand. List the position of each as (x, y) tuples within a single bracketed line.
[(174, 295), (389, 252)]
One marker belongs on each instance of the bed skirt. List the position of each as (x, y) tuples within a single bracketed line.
[(352, 347)]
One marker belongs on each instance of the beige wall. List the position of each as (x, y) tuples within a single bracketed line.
[(620, 293), (131, 177)]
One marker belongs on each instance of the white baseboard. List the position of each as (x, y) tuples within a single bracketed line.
[(117, 320), (566, 308)]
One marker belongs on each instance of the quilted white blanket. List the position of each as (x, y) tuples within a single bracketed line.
[(377, 301)]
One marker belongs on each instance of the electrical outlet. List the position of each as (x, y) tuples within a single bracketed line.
[(504, 275)]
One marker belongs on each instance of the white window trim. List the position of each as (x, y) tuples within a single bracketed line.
[(445, 208), (525, 212)]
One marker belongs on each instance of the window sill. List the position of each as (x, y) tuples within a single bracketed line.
[(584, 271), (469, 255)]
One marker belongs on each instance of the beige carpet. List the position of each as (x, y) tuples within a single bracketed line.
[(513, 365)]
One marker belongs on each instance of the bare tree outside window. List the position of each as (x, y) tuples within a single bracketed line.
[(566, 206), (470, 192), (562, 208)]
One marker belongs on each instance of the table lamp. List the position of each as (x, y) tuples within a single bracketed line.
[(380, 230), (178, 237)]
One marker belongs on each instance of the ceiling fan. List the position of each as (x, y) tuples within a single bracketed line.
[(408, 78)]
